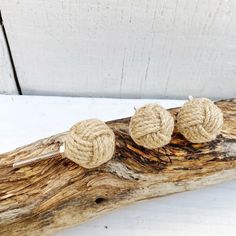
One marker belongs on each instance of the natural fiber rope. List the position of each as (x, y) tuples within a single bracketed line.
[(90, 143), (151, 126), (200, 120)]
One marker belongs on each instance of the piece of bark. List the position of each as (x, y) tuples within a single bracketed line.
[(53, 194)]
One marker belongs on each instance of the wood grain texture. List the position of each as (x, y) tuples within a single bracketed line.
[(54, 194), (7, 82), (147, 48)]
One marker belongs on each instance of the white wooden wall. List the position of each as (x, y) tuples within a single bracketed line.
[(7, 82), (123, 48)]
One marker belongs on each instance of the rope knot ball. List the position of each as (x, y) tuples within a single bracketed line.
[(200, 120), (90, 143), (151, 126)]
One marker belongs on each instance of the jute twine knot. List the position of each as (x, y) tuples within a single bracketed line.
[(90, 143), (200, 120), (151, 126)]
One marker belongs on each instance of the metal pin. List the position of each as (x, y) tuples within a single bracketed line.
[(20, 163), (190, 98)]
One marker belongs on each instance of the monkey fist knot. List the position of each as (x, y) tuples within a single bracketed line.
[(200, 120), (151, 126), (90, 143)]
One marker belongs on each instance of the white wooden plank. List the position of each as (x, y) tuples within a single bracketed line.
[(7, 82), (126, 48), (210, 211)]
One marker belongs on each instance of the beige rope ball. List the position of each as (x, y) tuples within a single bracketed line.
[(151, 126), (90, 143), (200, 120)]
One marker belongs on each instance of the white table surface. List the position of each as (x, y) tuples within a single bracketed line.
[(208, 211)]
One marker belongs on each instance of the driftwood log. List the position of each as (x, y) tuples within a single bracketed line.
[(47, 196)]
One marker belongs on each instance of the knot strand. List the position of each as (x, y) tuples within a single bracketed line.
[(151, 126), (90, 143), (200, 120)]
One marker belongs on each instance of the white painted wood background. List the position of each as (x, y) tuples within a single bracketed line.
[(7, 82), (123, 48)]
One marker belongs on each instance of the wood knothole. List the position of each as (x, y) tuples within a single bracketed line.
[(99, 200)]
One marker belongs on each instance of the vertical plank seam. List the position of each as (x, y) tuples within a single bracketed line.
[(10, 56)]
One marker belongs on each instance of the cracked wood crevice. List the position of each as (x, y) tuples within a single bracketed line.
[(54, 194)]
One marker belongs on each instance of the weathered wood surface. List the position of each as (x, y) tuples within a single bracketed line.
[(50, 195)]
